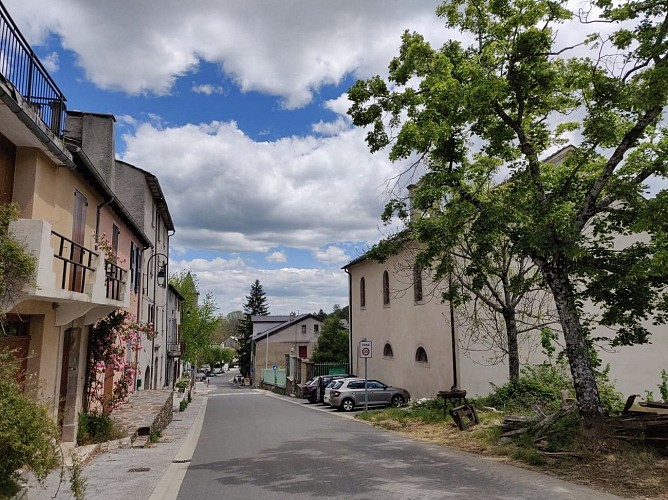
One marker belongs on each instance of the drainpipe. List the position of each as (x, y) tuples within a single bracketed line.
[(350, 320), (453, 332)]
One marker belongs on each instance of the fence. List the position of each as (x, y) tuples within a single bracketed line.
[(21, 67), (274, 377), (317, 369)]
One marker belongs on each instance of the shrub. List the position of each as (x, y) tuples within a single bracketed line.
[(182, 384), (97, 428), (538, 385), (27, 434), (183, 404)]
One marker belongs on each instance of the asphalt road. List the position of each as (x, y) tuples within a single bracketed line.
[(258, 446)]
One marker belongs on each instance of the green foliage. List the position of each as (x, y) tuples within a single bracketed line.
[(97, 427), (663, 386), (199, 321), (17, 266), (182, 384), (256, 305), (77, 479), (542, 385), (538, 385), (493, 109), (154, 436), (333, 342), (220, 355), (27, 433), (183, 404)]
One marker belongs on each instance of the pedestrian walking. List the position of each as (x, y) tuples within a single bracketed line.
[(207, 381)]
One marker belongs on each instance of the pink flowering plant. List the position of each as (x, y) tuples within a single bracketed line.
[(110, 340), (104, 245)]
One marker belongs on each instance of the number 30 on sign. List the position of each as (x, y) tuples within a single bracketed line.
[(365, 349)]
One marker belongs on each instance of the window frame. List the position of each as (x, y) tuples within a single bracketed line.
[(386, 288)]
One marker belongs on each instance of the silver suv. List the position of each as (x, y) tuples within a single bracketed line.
[(349, 393)]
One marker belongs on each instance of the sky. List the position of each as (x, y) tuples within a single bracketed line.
[(239, 108)]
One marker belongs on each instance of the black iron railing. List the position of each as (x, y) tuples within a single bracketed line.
[(77, 262), (115, 278), (21, 67), (174, 349)]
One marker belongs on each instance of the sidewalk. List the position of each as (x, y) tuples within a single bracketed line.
[(134, 473)]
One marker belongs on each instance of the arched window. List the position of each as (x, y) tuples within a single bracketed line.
[(387, 351), (362, 293), (386, 288), (417, 283), (421, 355)]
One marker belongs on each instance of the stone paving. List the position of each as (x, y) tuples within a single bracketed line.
[(141, 410)]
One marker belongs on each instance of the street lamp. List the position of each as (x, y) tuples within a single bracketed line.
[(159, 279)]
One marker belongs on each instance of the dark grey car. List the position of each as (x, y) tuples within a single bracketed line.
[(351, 394)]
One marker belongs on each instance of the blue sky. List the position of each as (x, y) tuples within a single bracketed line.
[(239, 108)]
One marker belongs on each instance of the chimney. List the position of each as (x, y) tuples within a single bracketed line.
[(95, 134)]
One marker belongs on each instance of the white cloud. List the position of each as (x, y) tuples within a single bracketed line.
[(277, 257), (287, 289), (50, 62), (288, 49), (227, 192), (332, 255), (208, 89), (330, 128)]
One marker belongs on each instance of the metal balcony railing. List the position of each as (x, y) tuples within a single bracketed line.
[(21, 67), (115, 278), (77, 262), (174, 349)]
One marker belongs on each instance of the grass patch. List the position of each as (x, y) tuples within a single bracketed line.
[(97, 428)]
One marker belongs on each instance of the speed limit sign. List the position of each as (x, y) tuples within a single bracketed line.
[(365, 349)]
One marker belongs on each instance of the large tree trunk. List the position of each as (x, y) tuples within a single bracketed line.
[(582, 372), (513, 348)]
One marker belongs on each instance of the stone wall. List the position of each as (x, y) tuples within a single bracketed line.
[(164, 417)]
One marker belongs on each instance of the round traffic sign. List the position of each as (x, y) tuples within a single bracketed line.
[(366, 351)]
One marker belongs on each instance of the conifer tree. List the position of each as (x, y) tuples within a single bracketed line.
[(256, 305)]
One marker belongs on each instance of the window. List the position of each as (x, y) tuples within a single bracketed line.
[(304, 329), (417, 283), (387, 351), (421, 355), (386, 288), (316, 329), (303, 351), (362, 293)]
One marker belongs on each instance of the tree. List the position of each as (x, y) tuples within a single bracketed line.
[(200, 319), (230, 325), (220, 355), (499, 106), (256, 305), (332, 344)]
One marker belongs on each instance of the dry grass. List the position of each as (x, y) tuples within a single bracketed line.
[(618, 468)]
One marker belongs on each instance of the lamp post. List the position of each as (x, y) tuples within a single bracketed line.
[(159, 279)]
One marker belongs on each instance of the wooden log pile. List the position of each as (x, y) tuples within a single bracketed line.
[(646, 421)]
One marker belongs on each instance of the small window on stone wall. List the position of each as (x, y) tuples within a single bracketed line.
[(387, 351), (421, 355)]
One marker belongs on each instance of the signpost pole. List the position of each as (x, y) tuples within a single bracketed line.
[(366, 352), (366, 389)]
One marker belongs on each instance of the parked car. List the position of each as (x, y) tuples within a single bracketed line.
[(333, 385), (322, 382), (309, 390), (351, 394)]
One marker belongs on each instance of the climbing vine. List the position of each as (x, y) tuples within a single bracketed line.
[(111, 340), (17, 265)]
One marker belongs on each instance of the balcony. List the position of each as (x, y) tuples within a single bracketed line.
[(25, 73), (75, 278), (175, 349)]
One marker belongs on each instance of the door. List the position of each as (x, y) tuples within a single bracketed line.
[(77, 274), (303, 351), (7, 162), (64, 372)]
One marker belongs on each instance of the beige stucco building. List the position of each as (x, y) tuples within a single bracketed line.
[(276, 336)]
